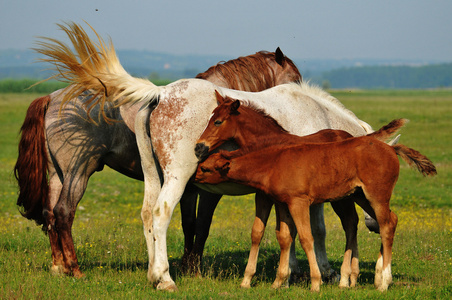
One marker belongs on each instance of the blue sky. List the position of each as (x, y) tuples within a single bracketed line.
[(324, 29)]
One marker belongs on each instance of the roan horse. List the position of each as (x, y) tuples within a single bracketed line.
[(171, 120), (246, 125), (69, 148), (301, 174)]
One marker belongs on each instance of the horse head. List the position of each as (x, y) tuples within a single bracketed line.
[(218, 130)]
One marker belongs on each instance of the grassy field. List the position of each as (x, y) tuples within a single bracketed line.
[(112, 252)]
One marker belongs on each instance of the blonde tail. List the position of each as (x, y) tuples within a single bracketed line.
[(95, 67)]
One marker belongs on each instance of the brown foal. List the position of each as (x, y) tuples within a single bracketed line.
[(300, 174)]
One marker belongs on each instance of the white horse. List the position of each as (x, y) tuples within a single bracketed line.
[(171, 120)]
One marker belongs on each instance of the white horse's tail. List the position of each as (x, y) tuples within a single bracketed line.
[(95, 67)]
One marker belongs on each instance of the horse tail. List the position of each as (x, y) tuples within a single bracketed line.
[(387, 131), (95, 67), (414, 158), (32, 164)]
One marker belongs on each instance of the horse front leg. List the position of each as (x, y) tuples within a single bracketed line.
[(206, 207), (263, 206), (299, 209), (188, 217), (319, 234)]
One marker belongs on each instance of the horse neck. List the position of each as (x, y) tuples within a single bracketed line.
[(239, 171), (255, 127)]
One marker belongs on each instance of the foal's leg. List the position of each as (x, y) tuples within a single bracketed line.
[(299, 209), (379, 197), (346, 211), (263, 206), (383, 274), (285, 233)]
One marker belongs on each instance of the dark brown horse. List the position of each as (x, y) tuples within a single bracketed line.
[(247, 125), (302, 174), (60, 150)]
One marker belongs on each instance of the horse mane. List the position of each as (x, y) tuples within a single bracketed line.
[(251, 106), (317, 93), (256, 63)]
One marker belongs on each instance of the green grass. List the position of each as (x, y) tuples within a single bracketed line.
[(112, 252)]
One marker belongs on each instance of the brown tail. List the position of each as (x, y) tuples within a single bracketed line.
[(32, 165), (414, 158), (387, 131)]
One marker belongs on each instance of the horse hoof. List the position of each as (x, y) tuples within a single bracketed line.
[(57, 270), (78, 274), (168, 286)]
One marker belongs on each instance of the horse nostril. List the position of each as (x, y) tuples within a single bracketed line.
[(201, 151)]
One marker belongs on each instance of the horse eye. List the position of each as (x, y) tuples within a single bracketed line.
[(218, 122)]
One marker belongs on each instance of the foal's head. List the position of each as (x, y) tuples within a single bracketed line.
[(220, 127), (232, 121), (213, 170)]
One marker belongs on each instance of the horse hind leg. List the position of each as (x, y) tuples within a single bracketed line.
[(55, 187), (346, 211), (285, 233), (387, 220), (263, 208), (64, 212)]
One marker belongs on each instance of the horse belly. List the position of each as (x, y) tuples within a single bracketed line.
[(227, 188)]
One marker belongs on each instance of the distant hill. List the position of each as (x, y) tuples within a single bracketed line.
[(346, 73)]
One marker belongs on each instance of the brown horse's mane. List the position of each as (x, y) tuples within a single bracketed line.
[(232, 69), (251, 106), (264, 141)]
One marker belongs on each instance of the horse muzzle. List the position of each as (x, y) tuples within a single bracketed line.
[(201, 151)]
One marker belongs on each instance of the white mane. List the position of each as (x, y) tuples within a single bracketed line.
[(317, 93)]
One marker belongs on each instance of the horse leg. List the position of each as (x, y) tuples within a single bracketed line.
[(152, 184), (299, 209), (188, 217), (263, 206), (206, 207), (379, 198), (319, 233), (168, 198), (55, 187), (346, 211), (64, 212), (285, 233), (383, 274)]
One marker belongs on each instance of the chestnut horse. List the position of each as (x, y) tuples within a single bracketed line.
[(67, 148), (302, 174), (170, 122), (245, 125)]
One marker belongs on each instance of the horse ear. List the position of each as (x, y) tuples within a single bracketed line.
[(279, 56), (235, 105), (222, 166), (220, 98)]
